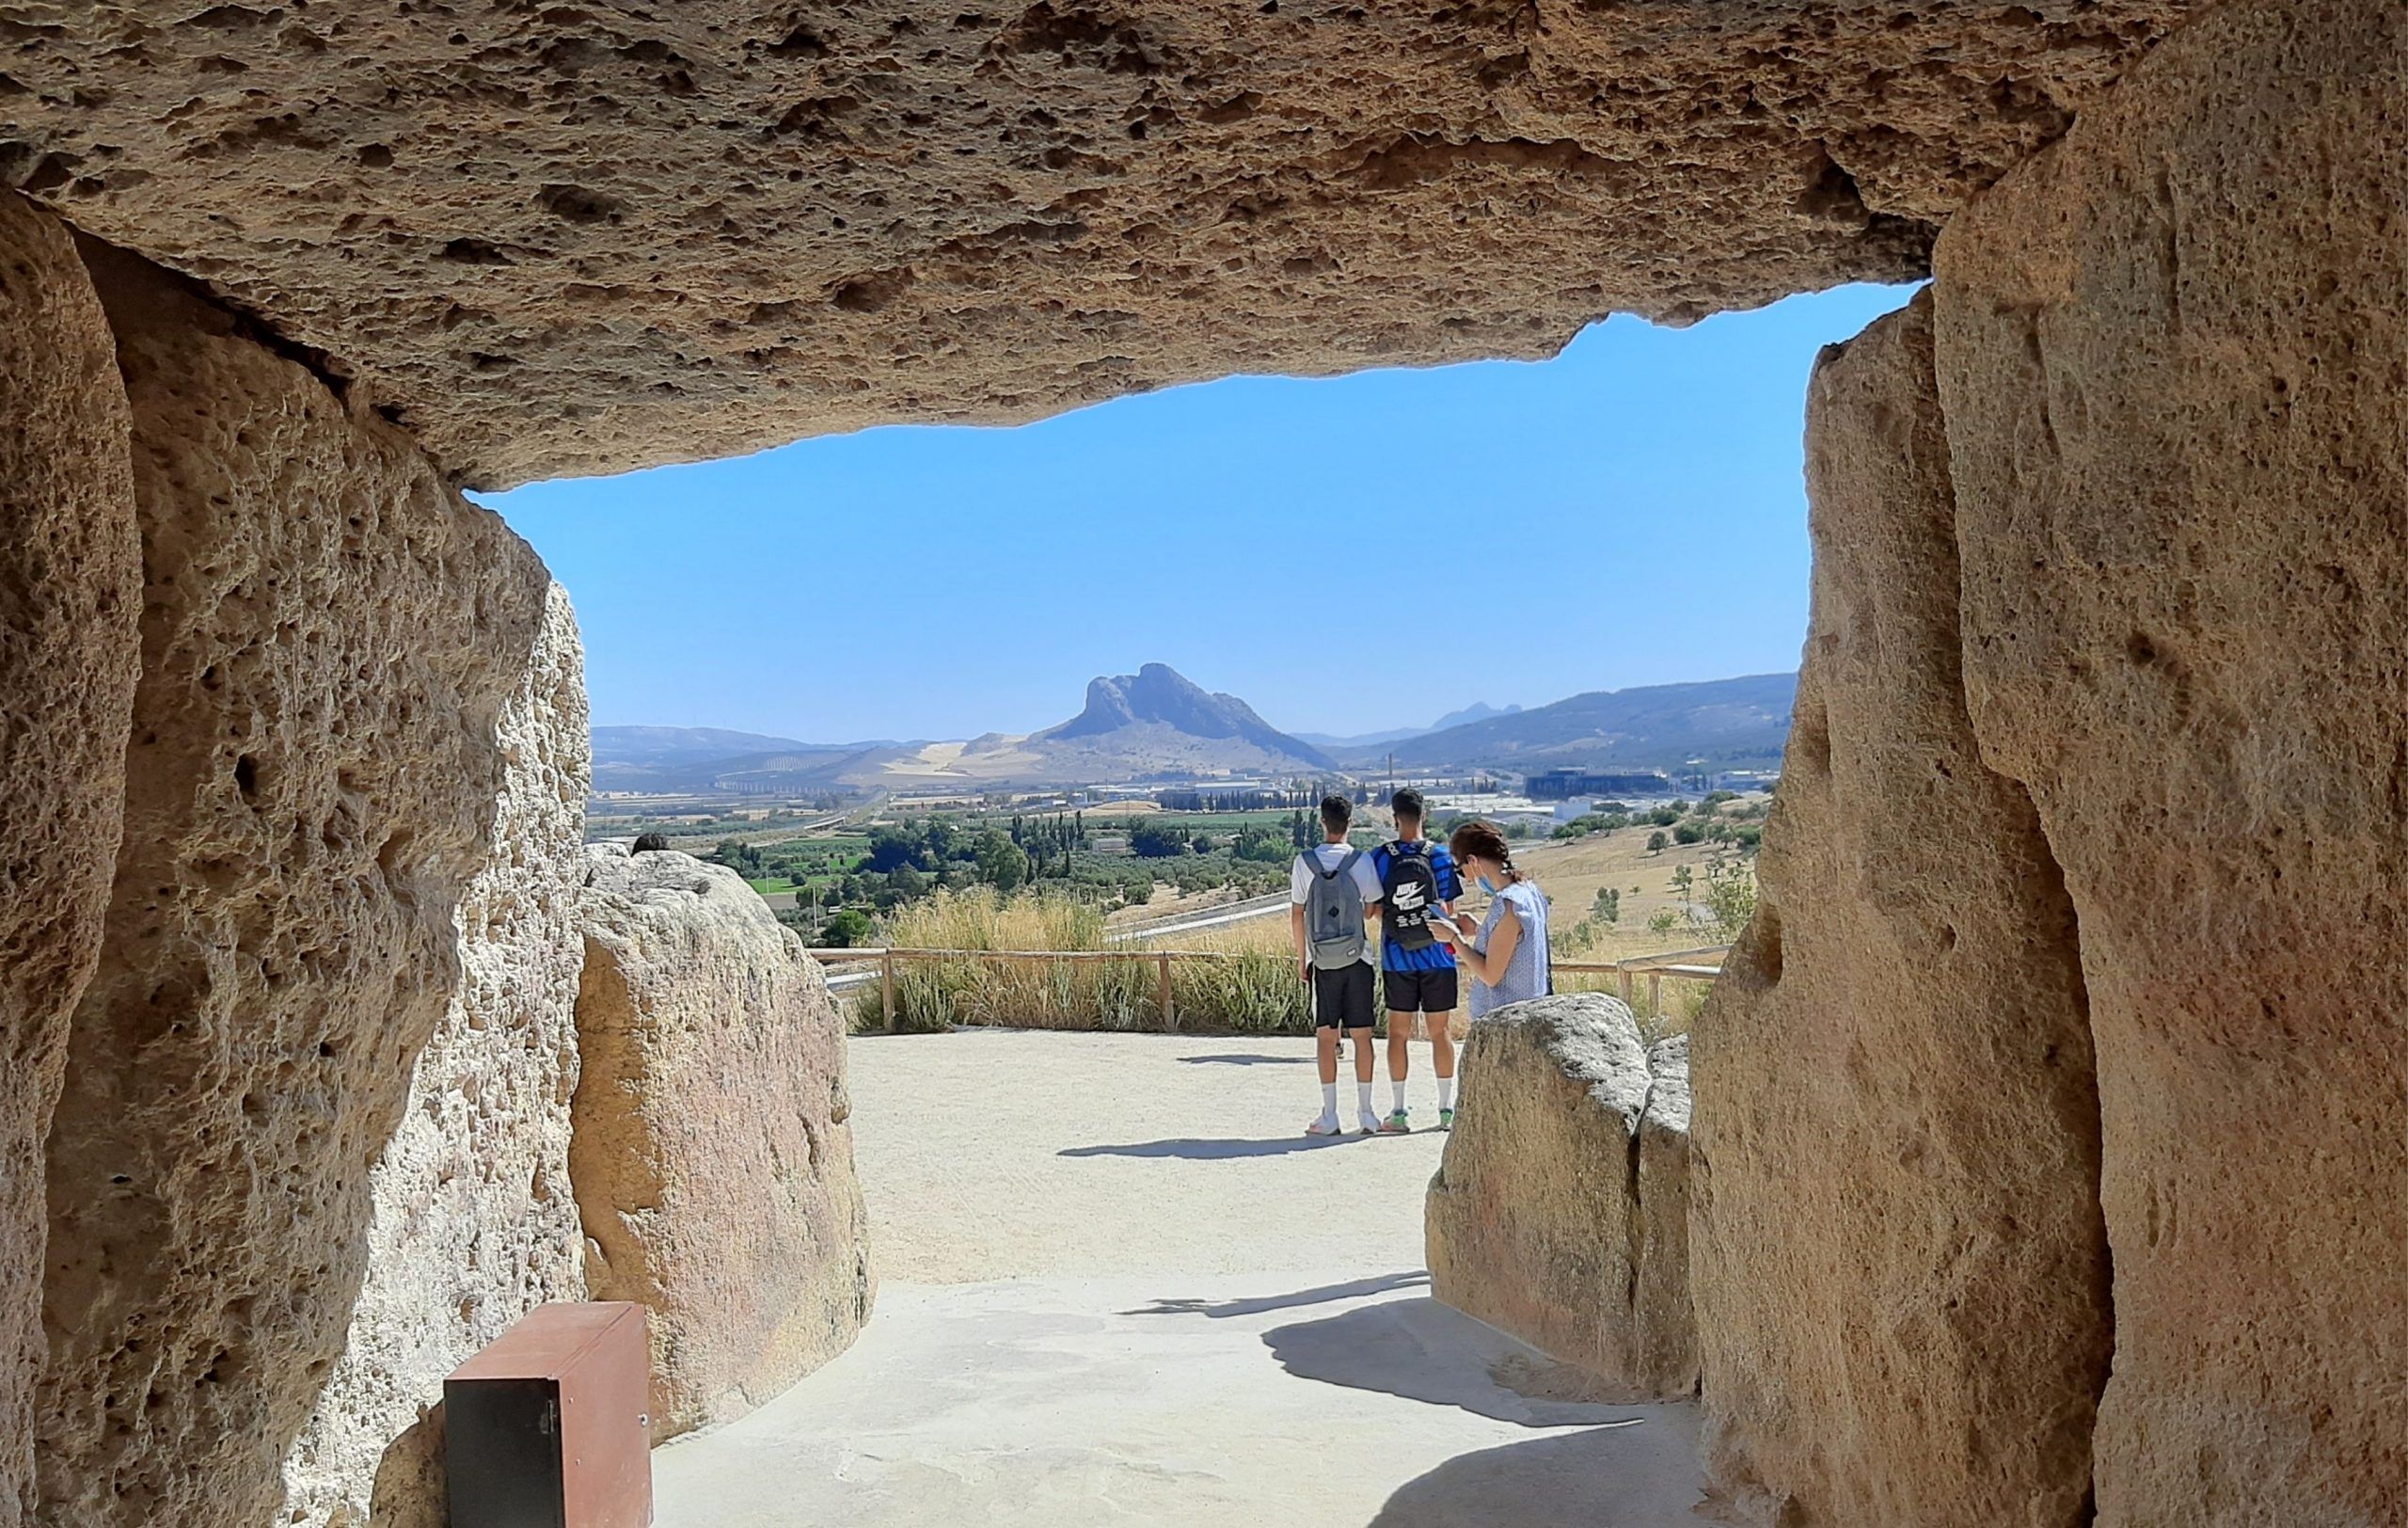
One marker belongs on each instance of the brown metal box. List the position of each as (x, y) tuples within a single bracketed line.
[(546, 1428)]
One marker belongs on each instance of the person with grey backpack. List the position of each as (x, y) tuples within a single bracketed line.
[(1331, 890)]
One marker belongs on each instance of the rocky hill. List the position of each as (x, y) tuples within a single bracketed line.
[(1136, 715), (1155, 721)]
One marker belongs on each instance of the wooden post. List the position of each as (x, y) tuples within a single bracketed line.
[(1622, 975), (1161, 988), (886, 981), (1654, 995)]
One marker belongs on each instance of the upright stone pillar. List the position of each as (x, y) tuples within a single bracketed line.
[(1897, 1261), (2172, 351), (472, 1224), (71, 588), (329, 639)]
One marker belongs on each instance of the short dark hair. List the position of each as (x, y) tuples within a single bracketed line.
[(1407, 803), (648, 842), (1336, 813)]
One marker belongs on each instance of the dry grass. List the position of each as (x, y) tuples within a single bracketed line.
[(1256, 993)]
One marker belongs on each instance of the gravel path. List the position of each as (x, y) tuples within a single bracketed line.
[(1120, 1287)]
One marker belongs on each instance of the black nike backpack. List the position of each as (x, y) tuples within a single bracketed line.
[(1410, 889)]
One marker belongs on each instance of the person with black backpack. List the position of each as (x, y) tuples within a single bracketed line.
[(1330, 892), (1418, 881)]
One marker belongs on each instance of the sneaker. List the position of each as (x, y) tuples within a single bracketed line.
[(1371, 1124), (1397, 1125), (1325, 1126), (1446, 1119)]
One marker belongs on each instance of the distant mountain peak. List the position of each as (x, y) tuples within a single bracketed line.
[(1158, 694), (1479, 710)]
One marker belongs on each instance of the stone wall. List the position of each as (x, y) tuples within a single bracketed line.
[(1899, 1266), (1538, 1221), (2171, 355), (473, 1222), (712, 1161), (70, 589), (329, 637)]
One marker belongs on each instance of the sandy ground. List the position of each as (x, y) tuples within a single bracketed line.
[(1120, 1287)]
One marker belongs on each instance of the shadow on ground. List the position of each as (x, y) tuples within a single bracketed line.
[(1319, 1295), (1598, 1477), (1425, 1351), (1200, 1150), (1245, 1058)]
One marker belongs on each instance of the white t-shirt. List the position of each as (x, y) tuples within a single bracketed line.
[(1300, 882)]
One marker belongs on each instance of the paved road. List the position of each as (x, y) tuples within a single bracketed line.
[(1119, 1288)]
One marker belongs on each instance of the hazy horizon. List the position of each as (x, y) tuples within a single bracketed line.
[(1071, 709), (1629, 512)]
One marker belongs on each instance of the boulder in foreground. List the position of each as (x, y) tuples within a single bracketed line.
[(1559, 1212), (709, 1149)]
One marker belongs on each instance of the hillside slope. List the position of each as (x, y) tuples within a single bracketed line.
[(1732, 724)]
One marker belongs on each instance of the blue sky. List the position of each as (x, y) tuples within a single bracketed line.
[(1631, 512)]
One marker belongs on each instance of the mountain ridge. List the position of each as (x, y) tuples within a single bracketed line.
[(1479, 710), (1737, 723), (1157, 723)]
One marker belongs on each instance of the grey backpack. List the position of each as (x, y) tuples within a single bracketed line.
[(1334, 913)]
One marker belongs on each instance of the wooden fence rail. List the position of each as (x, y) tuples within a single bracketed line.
[(1681, 965)]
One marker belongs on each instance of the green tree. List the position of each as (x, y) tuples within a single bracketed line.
[(1002, 863), (1607, 907), (1156, 840), (1688, 833), (845, 928), (1657, 843), (1730, 897)]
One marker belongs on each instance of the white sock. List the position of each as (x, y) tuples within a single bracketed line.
[(1398, 1089), (1329, 1101), (1446, 1093), (1363, 1095)]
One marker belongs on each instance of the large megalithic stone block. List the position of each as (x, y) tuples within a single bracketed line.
[(569, 239), (1897, 1260), (1560, 1213), (329, 639), (71, 588), (712, 1153), (472, 1223), (2171, 353)]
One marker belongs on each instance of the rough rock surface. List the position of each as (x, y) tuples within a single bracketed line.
[(2170, 353), (1663, 1320), (70, 589), (1900, 1271), (328, 638), (473, 1224), (566, 239), (711, 1158), (1537, 1222)]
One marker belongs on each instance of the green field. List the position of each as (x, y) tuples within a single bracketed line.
[(1102, 821)]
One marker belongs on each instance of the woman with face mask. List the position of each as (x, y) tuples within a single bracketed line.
[(1507, 958)]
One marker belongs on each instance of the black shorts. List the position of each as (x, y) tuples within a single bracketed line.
[(1420, 992), (1342, 998)]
